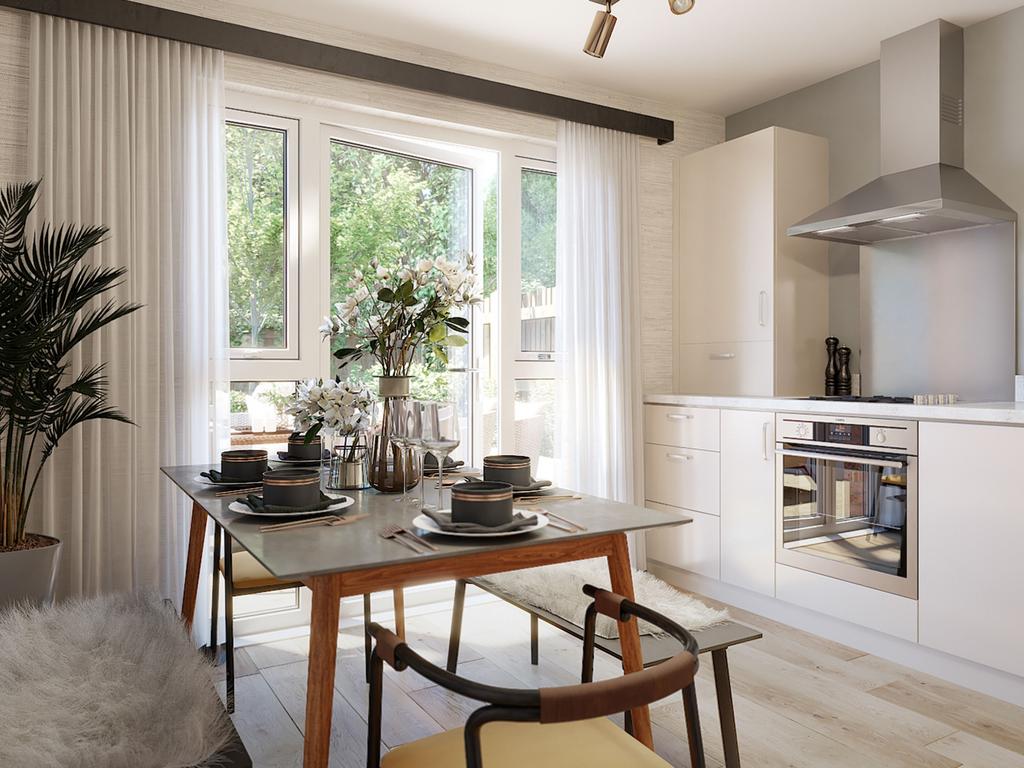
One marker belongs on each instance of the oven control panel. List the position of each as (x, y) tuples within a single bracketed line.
[(859, 433)]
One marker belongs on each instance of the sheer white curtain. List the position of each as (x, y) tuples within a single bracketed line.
[(597, 334), (127, 131)]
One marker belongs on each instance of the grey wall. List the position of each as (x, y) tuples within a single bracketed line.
[(994, 121), (843, 109)]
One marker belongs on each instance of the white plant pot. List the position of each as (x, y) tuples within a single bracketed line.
[(27, 576)]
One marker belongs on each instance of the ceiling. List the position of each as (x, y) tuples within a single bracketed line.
[(722, 57)]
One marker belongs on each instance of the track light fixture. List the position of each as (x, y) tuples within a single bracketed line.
[(604, 23)]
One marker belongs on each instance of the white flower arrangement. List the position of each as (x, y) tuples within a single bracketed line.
[(332, 408), (391, 312)]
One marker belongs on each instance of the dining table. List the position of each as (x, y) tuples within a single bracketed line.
[(335, 562)]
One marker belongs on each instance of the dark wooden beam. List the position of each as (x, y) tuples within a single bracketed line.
[(261, 44)]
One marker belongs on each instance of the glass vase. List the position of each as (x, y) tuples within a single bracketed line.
[(392, 469), (347, 465)]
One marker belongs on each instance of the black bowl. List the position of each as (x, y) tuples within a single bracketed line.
[(291, 487), (246, 465), (298, 448), (483, 503), (507, 468)]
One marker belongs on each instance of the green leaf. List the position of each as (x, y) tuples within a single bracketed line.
[(460, 324), (386, 295), (311, 433), (437, 333), (406, 289), (455, 341), (441, 355)]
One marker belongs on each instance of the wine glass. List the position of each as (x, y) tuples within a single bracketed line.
[(415, 440), (440, 436), (400, 434)]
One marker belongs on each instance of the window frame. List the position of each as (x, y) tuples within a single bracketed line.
[(290, 128), (522, 356)]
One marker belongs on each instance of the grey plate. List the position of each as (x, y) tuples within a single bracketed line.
[(245, 509), (425, 523)]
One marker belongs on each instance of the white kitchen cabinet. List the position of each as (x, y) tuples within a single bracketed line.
[(971, 524), (681, 426), (747, 507), (751, 303), (682, 477), (693, 547)]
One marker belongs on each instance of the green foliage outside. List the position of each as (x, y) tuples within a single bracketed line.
[(255, 199), (538, 230)]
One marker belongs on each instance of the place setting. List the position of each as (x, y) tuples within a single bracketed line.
[(293, 493), (241, 470), (302, 453)]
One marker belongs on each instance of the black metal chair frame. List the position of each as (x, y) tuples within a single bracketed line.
[(524, 705), (230, 592)]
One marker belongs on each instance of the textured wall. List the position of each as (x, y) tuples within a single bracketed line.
[(694, 130)]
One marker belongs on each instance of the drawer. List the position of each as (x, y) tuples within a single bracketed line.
[(729, 368), (681, 426), (682, 477), (693, 547)]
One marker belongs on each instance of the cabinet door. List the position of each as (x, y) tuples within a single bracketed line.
[(971, 529), (725, 241), (682, 477), (742, 369), (748, 500), (693, 547)]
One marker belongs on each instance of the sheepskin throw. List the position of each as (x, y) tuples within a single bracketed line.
[(109, 682), (559, 590)]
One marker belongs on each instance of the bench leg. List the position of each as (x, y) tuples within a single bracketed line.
[(455, 637), (215, 597), (693, 734), (534, 639), (726, 714), (368, 640), (229, 625)]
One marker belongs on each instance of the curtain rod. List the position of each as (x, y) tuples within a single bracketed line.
[(284, 49)]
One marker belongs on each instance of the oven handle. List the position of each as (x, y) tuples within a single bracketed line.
[(844, 459)]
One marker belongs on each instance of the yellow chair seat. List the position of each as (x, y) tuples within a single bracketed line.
[(586, 744), (247, 573)]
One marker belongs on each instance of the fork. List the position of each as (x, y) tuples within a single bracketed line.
[(413, 541)]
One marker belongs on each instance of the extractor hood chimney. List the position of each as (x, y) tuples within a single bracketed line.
[(924, 188)]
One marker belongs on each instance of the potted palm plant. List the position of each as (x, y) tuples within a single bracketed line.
[(50, 301)]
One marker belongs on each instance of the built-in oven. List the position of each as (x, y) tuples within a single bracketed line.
[(846, 499)]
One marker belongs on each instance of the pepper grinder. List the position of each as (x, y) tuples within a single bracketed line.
[(844, 380), (831, 368)]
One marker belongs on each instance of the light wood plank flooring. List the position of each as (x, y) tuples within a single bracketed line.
[(801, 701)]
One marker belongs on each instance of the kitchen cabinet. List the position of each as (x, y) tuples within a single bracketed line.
[(747, 500), (682, 477), (681, 426), (694, 547), (751, 302), (971, 527)]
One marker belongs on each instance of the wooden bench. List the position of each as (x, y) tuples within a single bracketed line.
[(715, 640)]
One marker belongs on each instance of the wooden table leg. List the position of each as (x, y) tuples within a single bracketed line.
[(399, 598), (193, 564), (726, 714), (323, 650), (632, 656)]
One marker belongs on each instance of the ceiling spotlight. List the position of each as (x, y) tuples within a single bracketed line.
[(679, 7), (600, 32)]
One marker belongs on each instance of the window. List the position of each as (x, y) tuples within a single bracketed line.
[(258, 412), (537, 264), (261, 235)]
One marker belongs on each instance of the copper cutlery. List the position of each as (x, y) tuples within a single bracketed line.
[(540, 499), (332, 520), (566, 520), (238, 491), (409, 539)]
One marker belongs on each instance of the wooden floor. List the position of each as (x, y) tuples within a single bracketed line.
[(801, 701)]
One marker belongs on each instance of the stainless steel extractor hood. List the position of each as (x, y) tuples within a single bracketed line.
[(924, 188)]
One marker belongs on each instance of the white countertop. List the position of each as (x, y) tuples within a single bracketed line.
[(994, 413)]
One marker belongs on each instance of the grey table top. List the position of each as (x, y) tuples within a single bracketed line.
[(324, 549)]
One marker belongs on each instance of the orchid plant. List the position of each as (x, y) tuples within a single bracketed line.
[(393, 312), (327, 406)]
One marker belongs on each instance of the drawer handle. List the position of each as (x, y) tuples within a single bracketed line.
[(722, 356), (678, 416), (678, 457)]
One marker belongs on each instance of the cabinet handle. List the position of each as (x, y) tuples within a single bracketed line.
[(764, 441), (678, 457), (722, 356), (678, 416), (762, 308)]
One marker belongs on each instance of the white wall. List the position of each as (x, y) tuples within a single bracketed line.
[(694, 130)]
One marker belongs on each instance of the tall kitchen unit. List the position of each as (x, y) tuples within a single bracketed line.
[(751, 303)]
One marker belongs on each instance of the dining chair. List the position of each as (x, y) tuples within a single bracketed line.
[(549, 727), (243, 575)]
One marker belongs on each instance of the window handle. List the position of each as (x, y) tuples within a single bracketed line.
[(762, 308), (722, 356), (764, 441)]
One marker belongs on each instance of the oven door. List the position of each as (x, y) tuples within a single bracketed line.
[(851, 517)]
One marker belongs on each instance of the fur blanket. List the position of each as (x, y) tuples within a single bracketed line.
[(559, 589), (108, 682)]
